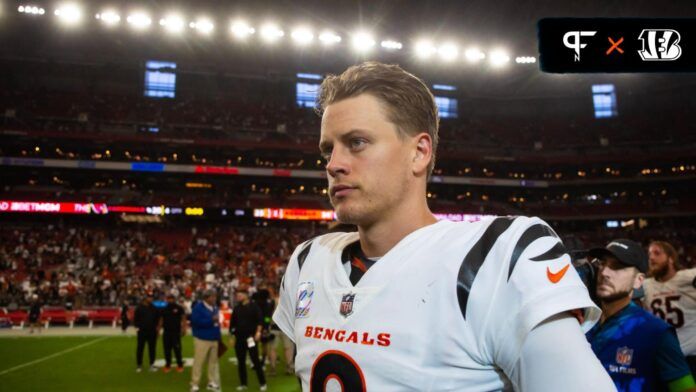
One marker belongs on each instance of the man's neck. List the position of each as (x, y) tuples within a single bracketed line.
[(378, 238), (611, 308)]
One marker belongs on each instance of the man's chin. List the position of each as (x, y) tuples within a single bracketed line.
[(347, 215), (612, 296), (345, 218), (658, 272)]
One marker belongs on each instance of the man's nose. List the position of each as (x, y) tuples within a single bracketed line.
[(337, 163)]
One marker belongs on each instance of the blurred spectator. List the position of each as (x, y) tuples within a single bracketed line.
[(246, 327), (670, 294), (35, 314), (125, 320), (205, 325), (639, 351), (146, 321), (173, 322)]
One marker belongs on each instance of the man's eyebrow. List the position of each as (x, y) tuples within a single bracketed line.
[(325, 145), (352, 132)]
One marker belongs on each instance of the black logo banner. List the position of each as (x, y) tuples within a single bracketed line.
[(582, 45)]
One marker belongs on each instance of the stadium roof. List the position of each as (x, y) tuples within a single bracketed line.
[(506, 24)]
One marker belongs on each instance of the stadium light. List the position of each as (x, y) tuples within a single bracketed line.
[(139, 20), (328, 37), (204, 26), (424, 49), (302, 35), (109, 17), (391, 45), (474, 55), (525, 60), (448, 51), (499, 58), (173, 23), (271, 33), (31, 10), (69, 14), (240, 29), (363, 41)]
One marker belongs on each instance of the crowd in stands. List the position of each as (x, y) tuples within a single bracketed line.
[(76, 266), (245, 116), (273, 159)]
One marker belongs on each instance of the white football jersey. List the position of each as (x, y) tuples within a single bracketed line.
[(675, 302), (446, 309)]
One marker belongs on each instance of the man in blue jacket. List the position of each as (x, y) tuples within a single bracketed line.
[(205, 325), (639, 351)]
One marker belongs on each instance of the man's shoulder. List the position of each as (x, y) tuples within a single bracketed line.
[(651, 323), (686, 277), (492, 228), (507, 221), (330, 241)]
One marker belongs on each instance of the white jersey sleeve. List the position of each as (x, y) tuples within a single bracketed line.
[(543, 367), (524, 277), (284, 315)]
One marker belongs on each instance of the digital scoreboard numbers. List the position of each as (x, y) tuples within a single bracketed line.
[(584, 45)]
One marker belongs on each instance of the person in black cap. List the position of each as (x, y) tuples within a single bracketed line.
[(145, 320), (639, 351), (173, 324), (246, 325)]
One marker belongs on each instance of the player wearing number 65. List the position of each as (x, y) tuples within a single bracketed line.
[(670, 293), (408, 303), (640, 351)]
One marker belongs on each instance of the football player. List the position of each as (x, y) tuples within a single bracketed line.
[(412, 303), (670, 293)]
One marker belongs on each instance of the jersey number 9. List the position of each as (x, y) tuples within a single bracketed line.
[(336, 365)]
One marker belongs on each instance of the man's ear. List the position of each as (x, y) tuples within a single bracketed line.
[(422, 153), (638, 280)]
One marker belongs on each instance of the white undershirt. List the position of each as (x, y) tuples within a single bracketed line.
[(557, 357)]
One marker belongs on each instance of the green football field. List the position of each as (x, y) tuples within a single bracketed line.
[(106, 363)]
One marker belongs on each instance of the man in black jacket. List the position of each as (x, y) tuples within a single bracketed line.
[(125, 321), (35, 311), (262, 298), (246, 325), (146, 320), (173, 323)]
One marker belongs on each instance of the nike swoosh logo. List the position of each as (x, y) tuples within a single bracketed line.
[(555, 277)]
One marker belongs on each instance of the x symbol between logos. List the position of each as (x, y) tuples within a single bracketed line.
[(615, 45)]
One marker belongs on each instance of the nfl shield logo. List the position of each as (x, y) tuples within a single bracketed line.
[(347, 305), (624, 356)]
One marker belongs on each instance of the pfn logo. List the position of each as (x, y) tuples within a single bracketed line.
[(575, 44), (660, 45)]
